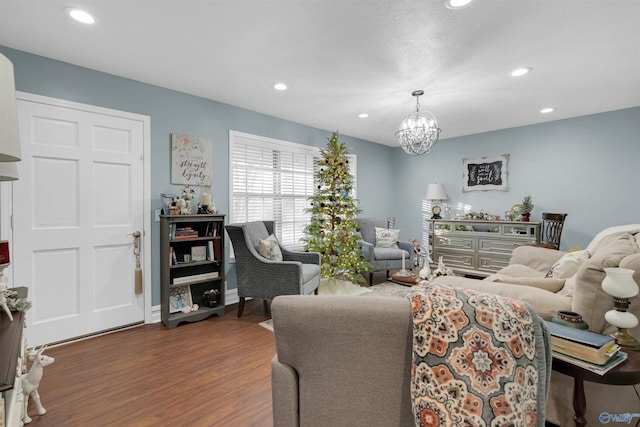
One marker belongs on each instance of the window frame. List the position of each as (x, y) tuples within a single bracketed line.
[(246, 139)]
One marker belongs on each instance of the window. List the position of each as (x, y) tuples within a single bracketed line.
[(271, 180)]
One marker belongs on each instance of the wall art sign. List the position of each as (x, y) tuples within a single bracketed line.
[(485, 173), (191, 160)]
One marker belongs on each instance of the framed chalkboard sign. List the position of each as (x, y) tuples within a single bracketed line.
[(485, 173)]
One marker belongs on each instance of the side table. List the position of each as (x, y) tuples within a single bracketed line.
[(627, 373)]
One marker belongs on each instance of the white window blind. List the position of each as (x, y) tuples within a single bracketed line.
[(272, 180)]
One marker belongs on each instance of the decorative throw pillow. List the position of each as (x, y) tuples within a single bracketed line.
[(387, 237), (567, 265), (270, 249)]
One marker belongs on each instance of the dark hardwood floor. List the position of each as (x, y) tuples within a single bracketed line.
[(216, 372)]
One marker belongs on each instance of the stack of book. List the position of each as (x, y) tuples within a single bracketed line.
[(185, 233), (589, 350)]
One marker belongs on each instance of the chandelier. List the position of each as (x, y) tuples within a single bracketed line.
[(418, 132)]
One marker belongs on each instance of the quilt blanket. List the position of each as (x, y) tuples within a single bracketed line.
[(478, 359)]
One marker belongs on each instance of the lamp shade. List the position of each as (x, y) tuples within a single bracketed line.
[(619, 283), (436, 192), (8, 171), (9, 136)]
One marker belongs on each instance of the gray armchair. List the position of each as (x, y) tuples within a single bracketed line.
[(383, 258), (258, 277)]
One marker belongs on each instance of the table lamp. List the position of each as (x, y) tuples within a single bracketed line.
[(435, 193), (10, 151), (619, 283)]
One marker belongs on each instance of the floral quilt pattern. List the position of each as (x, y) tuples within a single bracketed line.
[(478, 359)]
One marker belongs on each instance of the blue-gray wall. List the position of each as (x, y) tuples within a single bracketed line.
[(584, 166), (175, 112)]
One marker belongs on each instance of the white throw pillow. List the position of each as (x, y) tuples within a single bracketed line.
[(270, 249), (387, 237), (567, 265)]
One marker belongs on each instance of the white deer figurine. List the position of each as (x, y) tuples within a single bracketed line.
[(31, 380)]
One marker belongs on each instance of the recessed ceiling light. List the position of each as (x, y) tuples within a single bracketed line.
[(457, 4), (280, 86), (521, 71), (547, 110), (80, 15), (363, 115)]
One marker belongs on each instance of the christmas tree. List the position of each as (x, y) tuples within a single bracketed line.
[(333, 230)]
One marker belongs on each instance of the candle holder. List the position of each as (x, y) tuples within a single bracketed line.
[(403, 272), (620, 285)]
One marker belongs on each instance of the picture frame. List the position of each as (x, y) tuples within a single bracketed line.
[(179, 298), (191, 160), (486, 173), (198, 253)]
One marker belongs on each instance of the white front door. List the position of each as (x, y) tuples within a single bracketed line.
[(76, 205)]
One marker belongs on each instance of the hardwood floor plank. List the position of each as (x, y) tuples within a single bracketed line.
[(216, 372)]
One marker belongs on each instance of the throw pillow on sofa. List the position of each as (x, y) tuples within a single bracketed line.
[(270, 249), (568, 265), (387, 237)]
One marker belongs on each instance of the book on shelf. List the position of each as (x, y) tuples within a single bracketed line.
[(582, 344), (185, 236), (195, 277), (173, 258), (611, 363), (211, 255)]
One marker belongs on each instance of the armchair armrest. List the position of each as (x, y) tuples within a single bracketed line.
[(536, 257), (287, 273), (303, 257), (367, 250)]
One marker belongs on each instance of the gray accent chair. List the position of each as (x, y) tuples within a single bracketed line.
[(383, 258), (258, 277)]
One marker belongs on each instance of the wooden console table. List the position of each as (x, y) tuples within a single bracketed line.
[(479, 248), (627, 373)]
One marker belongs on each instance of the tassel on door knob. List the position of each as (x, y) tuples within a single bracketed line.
[(138, 272)]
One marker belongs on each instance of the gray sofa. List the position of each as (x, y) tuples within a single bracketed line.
[(347, 361), (354, 354)]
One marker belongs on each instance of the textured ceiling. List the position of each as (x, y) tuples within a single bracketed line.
[(344, 57)]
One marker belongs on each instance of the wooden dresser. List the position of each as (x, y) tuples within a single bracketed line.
[(12, 357), (478, 248)]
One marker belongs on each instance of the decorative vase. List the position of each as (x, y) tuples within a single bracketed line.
[(525, 217), (570, 319)]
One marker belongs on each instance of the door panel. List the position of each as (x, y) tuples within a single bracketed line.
[(77, 202)]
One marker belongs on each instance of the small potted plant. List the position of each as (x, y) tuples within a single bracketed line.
[(527, 207)]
